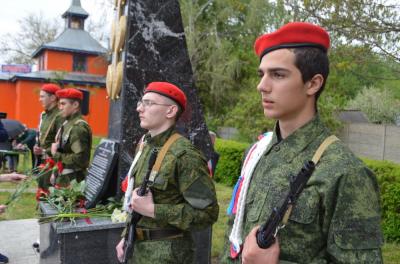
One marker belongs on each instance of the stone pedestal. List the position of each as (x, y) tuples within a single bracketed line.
[(79, 242)]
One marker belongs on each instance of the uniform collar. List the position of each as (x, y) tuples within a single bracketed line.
[(52, 110), (74, 116), (296, 142), (159, 139)]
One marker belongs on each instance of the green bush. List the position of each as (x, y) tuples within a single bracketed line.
[(231, 155), (388, 175)]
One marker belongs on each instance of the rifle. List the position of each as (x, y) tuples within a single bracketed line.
[(59, 138), (267, 232), (38, 158), (130, 235)]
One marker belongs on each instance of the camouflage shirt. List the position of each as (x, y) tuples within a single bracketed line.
[(184, 197), (76, 143), (50, 122), (336, 218)]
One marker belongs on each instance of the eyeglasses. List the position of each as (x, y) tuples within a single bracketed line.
[(147, 103)]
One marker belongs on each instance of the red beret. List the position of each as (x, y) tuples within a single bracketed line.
[(169, 90), (50, 88), (70, 93), (293, 35)]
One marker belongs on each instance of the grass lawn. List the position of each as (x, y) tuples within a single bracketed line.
[(26, 208)]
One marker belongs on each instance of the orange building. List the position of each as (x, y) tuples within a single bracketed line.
[(73, 59)]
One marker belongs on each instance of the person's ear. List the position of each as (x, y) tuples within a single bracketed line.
[(315, 84), (172, 110)]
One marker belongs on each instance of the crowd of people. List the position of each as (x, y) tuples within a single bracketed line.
[(336, 218)]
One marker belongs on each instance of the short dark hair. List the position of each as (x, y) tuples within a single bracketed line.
[(311, 61), (179, 112), (72, 100)]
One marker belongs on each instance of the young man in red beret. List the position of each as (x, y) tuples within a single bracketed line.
[(336, 218), (73, 140), (50, 122), (50, 119), (181, 196)]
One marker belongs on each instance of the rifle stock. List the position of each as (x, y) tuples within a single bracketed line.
[(267, 232), (130, 235)]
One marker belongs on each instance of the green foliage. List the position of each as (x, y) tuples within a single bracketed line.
[(380, 105), (65, 199), (220, 36), (248, 116), (391, 212), (231, 155), (388, 175)]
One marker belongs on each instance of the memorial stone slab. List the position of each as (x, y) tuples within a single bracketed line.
[(85, 241), (101, 171)]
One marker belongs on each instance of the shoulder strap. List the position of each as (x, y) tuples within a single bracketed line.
[(321, 149), (49, 128), (318, 154), (161, 155)]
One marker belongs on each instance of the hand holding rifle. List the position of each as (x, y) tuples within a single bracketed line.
[(125, 246), (265, 235)]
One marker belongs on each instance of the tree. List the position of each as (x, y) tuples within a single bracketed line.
[(35, 30), (374, 23), (380, 105)]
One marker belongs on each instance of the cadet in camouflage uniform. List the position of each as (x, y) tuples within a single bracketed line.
[(182, 197), (50, 122), (50, 119), (337, 216), (73, 140)]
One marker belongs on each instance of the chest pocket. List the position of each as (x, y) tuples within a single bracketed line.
[(255, 206), (306, 207), (167, 171)]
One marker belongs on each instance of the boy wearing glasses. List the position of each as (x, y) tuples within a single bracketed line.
[(181, 197)]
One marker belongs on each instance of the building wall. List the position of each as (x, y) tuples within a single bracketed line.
[(372, 141), (97, 65), (58, 61), (62, 61), (21, 102), (27, 106), (7, 95)]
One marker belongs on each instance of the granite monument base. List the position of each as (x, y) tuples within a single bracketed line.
[(82, 242)]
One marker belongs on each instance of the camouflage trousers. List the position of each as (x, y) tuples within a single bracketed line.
[(172, 251)]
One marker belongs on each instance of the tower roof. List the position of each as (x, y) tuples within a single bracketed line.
[(73, 40), (76, 10)]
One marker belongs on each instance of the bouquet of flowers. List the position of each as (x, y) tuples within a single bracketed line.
[(70, 204)]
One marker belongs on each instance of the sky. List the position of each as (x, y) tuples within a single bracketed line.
[(13, 10)]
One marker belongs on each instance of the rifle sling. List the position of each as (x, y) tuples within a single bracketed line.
[(48, 129), (318, 154), (161, 155)]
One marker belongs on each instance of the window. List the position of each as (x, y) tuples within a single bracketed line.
[(76, 23), (79, 63)]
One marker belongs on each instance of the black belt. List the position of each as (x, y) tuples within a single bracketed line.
[(154, 234)]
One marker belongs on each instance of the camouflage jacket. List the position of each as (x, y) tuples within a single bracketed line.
[(336, 218), (50, 122), (184, 197), (76, 143)]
